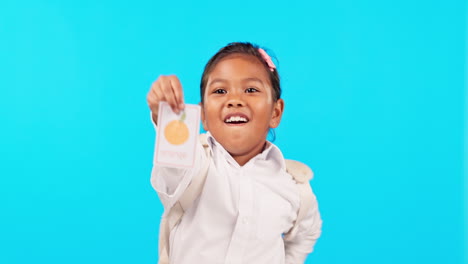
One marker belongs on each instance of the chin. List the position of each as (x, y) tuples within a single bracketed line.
[(235, 146), (241, 146), (239, 142)]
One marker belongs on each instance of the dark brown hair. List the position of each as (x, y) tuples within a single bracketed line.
[(240, 48)]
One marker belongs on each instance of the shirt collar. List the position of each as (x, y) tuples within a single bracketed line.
[(271, 153)]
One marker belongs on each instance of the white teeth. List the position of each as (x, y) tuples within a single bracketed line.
[(236, 119)]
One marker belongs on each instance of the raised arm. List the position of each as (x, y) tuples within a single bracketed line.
[(170, 183)]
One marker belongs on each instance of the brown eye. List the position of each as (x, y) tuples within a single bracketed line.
[(219, 91), (251, 90)]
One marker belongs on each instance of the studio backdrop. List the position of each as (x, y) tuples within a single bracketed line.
[(374, 103)]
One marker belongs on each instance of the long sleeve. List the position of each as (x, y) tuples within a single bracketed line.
[(309, 230), (170, 183)]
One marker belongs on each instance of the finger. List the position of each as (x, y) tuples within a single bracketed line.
[(154, 105), (151, 97), (167, 89), (158, 96), (178, 92), (152, 100)]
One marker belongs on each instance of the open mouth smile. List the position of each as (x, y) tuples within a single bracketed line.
[(236, 119)]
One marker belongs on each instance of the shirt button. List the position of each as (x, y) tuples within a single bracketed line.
[(245, 220)]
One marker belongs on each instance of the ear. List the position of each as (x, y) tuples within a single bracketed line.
[(277, 113), (203, 117)]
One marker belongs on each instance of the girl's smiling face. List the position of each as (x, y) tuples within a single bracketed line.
[(238, 107)]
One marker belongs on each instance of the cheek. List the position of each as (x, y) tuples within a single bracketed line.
[(265, 107), (205, 118), (210, 113)]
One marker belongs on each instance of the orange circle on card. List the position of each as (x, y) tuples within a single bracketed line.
[(176, 132)]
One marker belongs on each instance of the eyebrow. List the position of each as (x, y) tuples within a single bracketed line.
[(252, 79), (220, 80), (217, 80)]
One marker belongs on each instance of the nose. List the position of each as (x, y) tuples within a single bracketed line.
[(235, 100)]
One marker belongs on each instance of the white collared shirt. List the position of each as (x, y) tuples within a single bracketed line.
[(241, 213)]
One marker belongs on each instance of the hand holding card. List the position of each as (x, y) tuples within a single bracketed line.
[(177, 136)]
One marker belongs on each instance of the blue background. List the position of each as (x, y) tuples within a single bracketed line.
[(375, 104)]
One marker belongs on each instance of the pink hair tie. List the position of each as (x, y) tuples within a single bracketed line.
[(267, 59)]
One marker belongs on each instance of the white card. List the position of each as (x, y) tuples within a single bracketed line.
[(177, 136)]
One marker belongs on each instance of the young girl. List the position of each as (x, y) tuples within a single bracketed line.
[(249, 201)]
